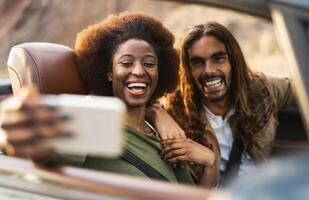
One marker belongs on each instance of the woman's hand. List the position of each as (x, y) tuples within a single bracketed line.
[(179, 150), (164, 123), (24, 123), (182, 149)]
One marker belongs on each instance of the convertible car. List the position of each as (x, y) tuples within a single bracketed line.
[(30, 63)]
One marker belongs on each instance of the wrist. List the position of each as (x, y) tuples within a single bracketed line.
[(153, 110), (211, 161)]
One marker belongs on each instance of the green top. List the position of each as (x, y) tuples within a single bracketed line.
[(145, 147)]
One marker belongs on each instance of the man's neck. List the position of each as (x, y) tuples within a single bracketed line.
[(219, 108)]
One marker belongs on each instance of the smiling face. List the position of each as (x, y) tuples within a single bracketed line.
[(210, 68), (134, 73)]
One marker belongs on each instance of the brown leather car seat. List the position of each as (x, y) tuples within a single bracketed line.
[(51, 67)]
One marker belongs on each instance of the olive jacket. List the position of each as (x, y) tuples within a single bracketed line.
[(266, 97), (146, 148)]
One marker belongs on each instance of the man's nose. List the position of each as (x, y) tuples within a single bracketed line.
[(138, 69), (209, 67)]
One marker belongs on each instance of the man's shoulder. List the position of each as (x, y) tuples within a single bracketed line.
[(260, 80), (258, 77), (267, 79), (279, 88)]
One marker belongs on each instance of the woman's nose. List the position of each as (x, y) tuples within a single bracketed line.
[(138, 69)]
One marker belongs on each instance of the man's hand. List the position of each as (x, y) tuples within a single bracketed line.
[(164, 123)]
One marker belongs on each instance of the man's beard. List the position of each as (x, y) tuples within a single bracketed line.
[(214, 78)]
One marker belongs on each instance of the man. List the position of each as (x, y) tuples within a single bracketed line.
[(222, 104)]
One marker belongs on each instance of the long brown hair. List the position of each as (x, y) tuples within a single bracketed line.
[(240, 70)]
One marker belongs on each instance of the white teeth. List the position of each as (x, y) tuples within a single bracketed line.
[(213, 83), (141, 85)]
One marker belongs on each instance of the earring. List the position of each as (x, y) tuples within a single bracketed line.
[(109, 77)]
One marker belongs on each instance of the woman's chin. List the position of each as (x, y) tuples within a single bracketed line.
[(136, 103)]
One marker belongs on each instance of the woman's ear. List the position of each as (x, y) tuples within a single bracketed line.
[(109, 76)]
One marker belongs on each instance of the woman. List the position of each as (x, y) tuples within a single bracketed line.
[(130, 56)]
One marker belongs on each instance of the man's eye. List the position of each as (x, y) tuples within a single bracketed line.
[(196, 62), (219, 59)]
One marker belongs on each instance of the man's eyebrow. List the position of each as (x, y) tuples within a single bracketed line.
[(219, 53), (195, 57)]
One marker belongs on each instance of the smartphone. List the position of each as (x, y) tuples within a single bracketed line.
[(95, 125)]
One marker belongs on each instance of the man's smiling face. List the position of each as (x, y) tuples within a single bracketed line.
[(210, 68)]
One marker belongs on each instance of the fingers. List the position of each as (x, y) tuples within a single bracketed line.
[(179, 133), (20, 135), (29, 93), (24, 122), (178, 159), (23, 125), (174, 131), (29, 115), (29, 135), (3, 140), (15, 103), (173, 140), (36, 153), (24, 143), (174, 153), (173, 146)]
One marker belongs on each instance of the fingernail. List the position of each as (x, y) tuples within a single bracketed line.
[(52, 108), (65, 117), (68, 134)]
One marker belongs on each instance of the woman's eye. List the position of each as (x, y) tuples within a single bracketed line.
[(148, 64), (126, 64)]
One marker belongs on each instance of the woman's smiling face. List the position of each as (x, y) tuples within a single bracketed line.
[(135, 72)]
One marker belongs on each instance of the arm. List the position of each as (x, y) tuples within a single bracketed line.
[(181, 149), (164, 123), (281, 90)]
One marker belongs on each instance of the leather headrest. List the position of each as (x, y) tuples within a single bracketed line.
[(51, 67)]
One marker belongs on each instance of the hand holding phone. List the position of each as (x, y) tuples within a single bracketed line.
[(94, 125)]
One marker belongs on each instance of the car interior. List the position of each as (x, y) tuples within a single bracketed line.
[(38, 63)]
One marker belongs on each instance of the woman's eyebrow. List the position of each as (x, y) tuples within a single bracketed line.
[(151, 55), (129, 55)]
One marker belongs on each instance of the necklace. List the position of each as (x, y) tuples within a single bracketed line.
[(153, 130)]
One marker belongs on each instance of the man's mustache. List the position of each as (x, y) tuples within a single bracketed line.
[(212, 76)]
